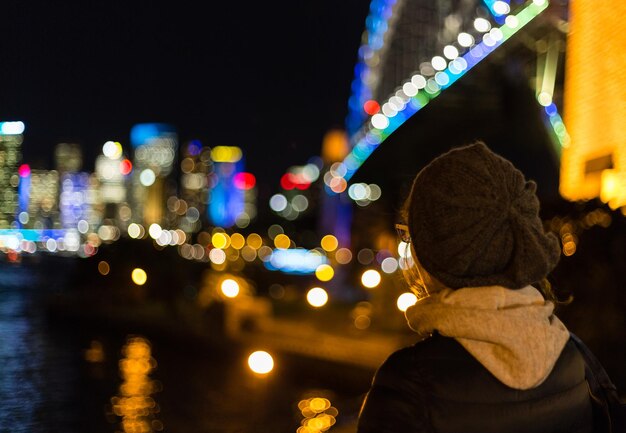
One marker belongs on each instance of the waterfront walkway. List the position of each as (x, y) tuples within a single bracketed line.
[(326, 335)]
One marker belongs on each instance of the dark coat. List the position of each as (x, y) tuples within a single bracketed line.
[(437, 386)]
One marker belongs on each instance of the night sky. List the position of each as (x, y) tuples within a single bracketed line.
[(270, 77)]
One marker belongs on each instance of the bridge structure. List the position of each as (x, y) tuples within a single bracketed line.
[(413, 51)]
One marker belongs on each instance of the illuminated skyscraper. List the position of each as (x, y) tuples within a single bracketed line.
[(155, 146), (68, 157), (38, 198), (196, 176), (10, 154), (226, 203), (113, 171)]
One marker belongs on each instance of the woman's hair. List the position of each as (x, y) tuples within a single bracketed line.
[(549, 293)]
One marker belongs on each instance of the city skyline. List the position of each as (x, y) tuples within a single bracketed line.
[(225, 78)]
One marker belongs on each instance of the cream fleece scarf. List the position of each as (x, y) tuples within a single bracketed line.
[(512, 333)]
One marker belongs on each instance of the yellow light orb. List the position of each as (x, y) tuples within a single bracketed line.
[(220, 240), (230, 288), (329, 243), (324, 272), (237, 241), (139, 276), (282, 241), (319, 404), (405, 300), (103, 268), (255, 241), (261, 362), (370, 278), (317, 297)]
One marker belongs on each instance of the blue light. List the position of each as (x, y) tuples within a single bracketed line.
[(23, 193), (194, 148), (33, 235), (73, 206), (295, 261), (551, 109), (490, 4), (376, 25), (11, 128), (226, 201), (144, 132)]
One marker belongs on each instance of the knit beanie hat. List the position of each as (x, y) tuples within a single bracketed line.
[(474, 221)]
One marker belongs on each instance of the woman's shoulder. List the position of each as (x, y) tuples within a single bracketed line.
[(435, 347), (423, 357)]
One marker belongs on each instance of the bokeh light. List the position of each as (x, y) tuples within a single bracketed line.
[(389, 265), (139, 276), (112, 149), (482, 25), (275, 230), (329, 243), (261, 362), (317, 297), (282, 241), (405, 300), (343, 256), (230, 288), (278, 202), (370, 278), (237, 241), (155, 231), (104, 268), (324, 272), (217, 256), (147, 177), (220, 240), (254, 240)]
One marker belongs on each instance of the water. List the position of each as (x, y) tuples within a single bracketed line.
[(69, 377)]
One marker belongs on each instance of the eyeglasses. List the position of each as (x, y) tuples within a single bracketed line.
[(403, 233)]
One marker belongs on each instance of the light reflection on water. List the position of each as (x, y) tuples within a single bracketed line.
[(134, 403), (76, 378)]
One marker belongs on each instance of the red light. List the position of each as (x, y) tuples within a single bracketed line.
[(286, 181), (126, 167), (244, 181), (24, 170), (371, 107), (303, 186), (13, 256), (90, 250), (298, 181)]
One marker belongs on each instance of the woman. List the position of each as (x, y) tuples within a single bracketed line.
[(493, 356)]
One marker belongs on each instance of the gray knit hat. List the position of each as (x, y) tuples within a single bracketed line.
[(474, 221)]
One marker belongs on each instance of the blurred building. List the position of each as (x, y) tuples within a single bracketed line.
[(38, 198), (155, 147), (196, 167), (68, 157), (227, 202), (113, 170), (78, 201), (79, 206), (11, 137), (594, 164)]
